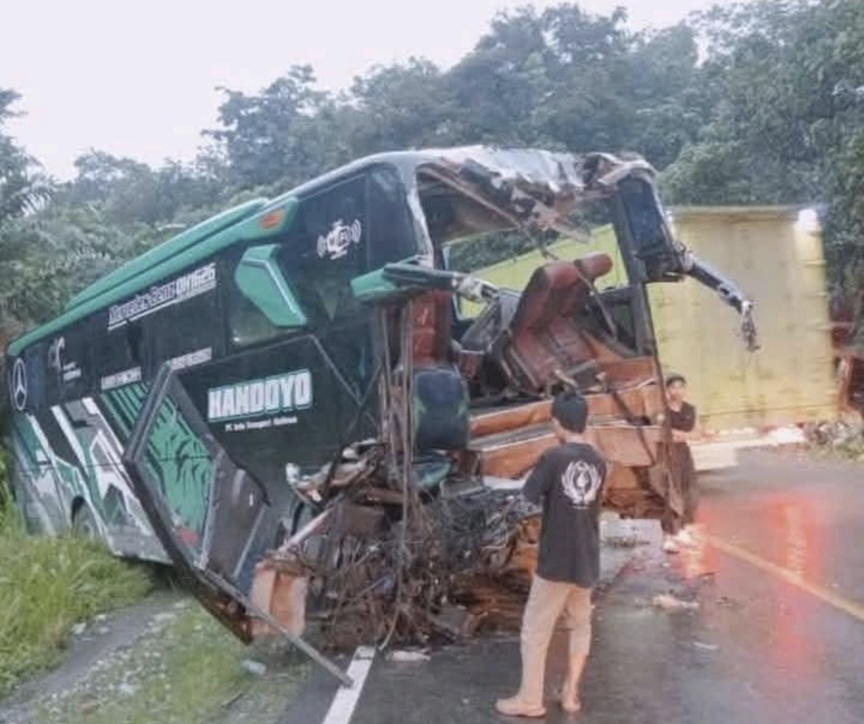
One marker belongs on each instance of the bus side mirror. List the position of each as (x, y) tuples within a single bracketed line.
[(261, 281)]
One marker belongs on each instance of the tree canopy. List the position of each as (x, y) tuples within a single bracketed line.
[(760, 102)]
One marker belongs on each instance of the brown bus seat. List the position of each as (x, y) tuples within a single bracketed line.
[(439, 391), (544, 337), (431, 317)]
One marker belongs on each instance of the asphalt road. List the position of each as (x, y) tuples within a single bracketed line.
[(778, 635)]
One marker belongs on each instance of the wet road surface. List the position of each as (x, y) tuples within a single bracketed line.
[(778, 635)]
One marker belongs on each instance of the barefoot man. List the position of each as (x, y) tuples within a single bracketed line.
[(568, 480)]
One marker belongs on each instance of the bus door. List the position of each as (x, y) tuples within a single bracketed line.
[(216, 554)]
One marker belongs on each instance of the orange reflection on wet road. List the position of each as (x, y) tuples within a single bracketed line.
[(789, 543)]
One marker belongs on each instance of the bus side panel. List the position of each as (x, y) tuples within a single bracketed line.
[(280, 408), (179, 459), (100, 449), (41, 481), (69, 456)]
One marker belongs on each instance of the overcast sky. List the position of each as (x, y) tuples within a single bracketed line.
[(138, 78)]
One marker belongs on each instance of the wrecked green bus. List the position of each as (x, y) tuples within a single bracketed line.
[(205, 401)]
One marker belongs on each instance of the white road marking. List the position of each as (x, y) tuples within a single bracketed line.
[(345, 701)]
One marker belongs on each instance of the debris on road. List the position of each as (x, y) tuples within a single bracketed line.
[(838, 436), (125, 689), (440, 570), (624, 541), (668, 602), (407, 657), (704, 646), (256, 668), (728, 602)]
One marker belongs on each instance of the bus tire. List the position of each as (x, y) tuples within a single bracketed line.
[(84, 523)]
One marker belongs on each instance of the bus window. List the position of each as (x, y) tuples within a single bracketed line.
[(391, 230), (119, 356), (191, 332), (247, 324), (326, 248), (329, 245)]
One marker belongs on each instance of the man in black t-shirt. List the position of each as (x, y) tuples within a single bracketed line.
[(568, 480)]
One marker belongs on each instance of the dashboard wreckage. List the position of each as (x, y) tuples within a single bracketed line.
[(383, 505)]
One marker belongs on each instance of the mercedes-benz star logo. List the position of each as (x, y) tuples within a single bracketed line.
[(19, 385)]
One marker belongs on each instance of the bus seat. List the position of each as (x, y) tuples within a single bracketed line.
[(440, 392), (544, 335), (431, 317)]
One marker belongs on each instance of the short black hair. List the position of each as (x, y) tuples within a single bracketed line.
[(571, 410), (675, 377)]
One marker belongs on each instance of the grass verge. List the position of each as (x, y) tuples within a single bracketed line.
[(46, 586)]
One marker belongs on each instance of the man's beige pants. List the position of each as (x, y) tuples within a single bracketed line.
[(547, 602)]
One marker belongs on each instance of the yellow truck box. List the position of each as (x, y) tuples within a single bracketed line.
[(775, 255)]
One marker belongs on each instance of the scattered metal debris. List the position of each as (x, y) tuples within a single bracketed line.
[(231, 700), (835, 434), (729, 602), (443, 571)]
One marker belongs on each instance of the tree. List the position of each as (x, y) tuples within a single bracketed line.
[(400, 106), (22, 187), (667, 103), (272, 135), (23, 190), (761, 102), (785, 122)]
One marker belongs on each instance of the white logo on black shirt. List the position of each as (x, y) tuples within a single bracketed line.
[(581, 482)]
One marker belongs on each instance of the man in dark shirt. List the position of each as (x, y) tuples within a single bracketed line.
[(568, 480), (682, 420)]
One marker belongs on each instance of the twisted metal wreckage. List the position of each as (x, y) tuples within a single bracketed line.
[(419, 533)]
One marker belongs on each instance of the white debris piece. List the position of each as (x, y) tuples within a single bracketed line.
[(254, 667), (668, 602), (407, 657)]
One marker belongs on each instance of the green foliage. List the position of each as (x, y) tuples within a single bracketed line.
[(22, 187), (49, 584), (485, 249), (772, 112), (786, 117), (46, 586), (23, 190), (275, 134)]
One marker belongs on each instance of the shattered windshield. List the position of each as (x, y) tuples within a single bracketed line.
[(471, 236)]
